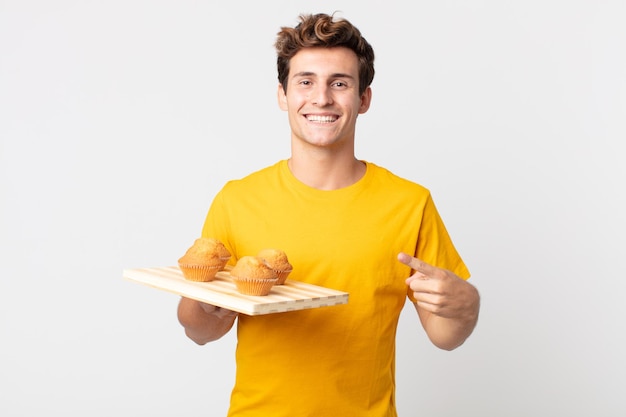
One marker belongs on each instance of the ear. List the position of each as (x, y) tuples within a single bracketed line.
[(366, 100), (282, 97)]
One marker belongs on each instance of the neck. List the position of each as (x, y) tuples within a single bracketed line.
[(326, 171)]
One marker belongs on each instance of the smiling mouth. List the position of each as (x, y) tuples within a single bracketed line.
[(321, 119)]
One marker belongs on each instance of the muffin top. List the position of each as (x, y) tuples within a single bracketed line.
[(219, 246), (275, 259), (205, 251), (252, 267)]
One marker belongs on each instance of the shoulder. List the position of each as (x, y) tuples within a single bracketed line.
[(385, 177), (254, 179)]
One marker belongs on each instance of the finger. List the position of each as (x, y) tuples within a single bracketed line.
[(208, 308), (416, 264), (224, 312), (419, 283), (432, 299), (217, 311), (432, 308)]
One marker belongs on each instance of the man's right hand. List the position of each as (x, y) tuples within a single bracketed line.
[(204, 322), (220, 312)]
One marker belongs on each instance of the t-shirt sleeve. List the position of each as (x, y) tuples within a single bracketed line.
[(434, 244), (217, 222)]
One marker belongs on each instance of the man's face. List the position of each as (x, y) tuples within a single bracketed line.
[(322, 97)]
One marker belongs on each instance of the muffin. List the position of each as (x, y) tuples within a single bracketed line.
[(252, 276), (277, 260), (222, 252), (203, 260)]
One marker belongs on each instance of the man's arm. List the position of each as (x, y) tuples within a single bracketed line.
[(204, 323), (447, 305)]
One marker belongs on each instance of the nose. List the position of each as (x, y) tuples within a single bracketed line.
[(321, 96)]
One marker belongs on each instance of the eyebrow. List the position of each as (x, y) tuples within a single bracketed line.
[(335, 75)]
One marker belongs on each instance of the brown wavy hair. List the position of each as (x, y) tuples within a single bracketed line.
[(323, 30)]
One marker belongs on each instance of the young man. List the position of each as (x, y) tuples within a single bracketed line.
[(345, 224)]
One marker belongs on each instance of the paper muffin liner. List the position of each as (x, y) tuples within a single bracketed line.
[(199, 273), (254, 286), (282, 276)]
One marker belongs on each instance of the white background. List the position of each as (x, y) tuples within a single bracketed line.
[(120, 120)]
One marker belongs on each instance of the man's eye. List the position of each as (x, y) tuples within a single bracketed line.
[(305, 82), (339, 84)]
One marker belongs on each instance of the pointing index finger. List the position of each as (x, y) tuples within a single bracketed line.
[(415, 263)]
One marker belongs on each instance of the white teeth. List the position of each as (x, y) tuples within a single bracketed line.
[(321, 119)]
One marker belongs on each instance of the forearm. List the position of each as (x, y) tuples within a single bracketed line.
[(201, 326), (446, 327), (447, 333)]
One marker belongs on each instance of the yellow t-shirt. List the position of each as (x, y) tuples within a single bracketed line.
[(331, 361)]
